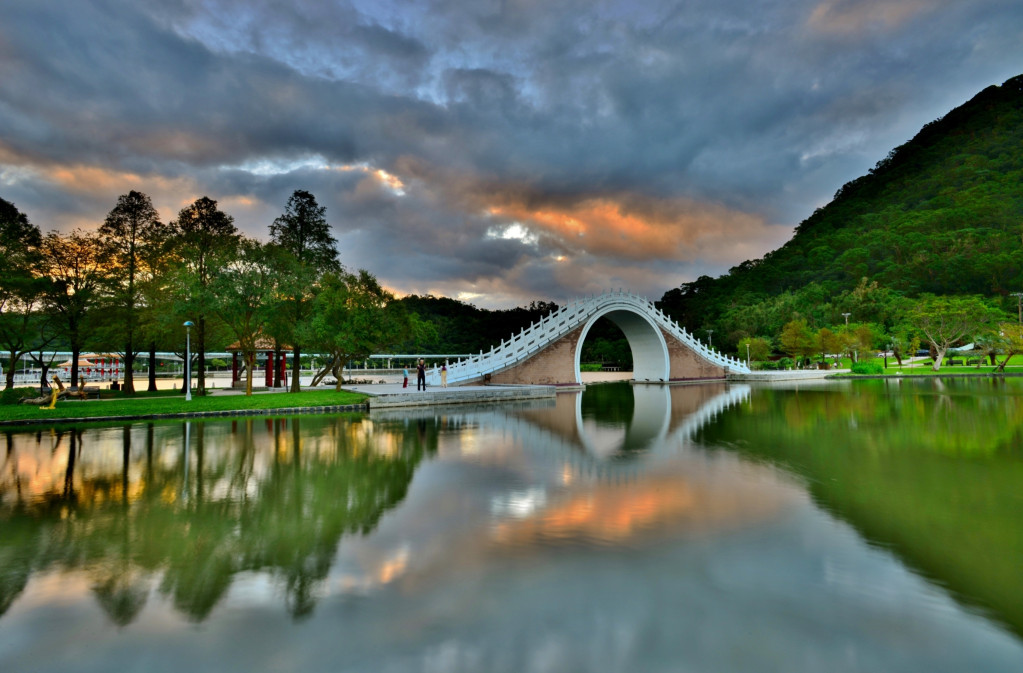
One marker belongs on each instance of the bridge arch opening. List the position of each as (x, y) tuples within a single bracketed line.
[(650, 358), (605, 344)]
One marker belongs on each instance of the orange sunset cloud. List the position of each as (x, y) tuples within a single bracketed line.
[(850, 17)]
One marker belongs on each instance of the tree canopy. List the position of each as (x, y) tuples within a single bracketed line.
[(203, 239), (309, 250), (943, 321), (132, 236), (353, 317)]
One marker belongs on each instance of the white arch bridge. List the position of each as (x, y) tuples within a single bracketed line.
[(547, 352)]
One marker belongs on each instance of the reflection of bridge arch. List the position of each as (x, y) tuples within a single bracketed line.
[(660, 422), (651, 418), (664, 418), (547, 352)]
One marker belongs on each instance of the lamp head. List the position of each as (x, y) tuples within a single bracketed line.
[(189, 323)]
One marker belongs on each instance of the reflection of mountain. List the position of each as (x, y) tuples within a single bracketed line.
[(930, 469), (275, 497)]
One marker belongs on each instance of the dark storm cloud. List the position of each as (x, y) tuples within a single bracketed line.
[(514, 149)]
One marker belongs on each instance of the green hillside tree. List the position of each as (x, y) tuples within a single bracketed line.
[(828, 342), (945, 321), (759, 348), (796, 339), (1010, 338)]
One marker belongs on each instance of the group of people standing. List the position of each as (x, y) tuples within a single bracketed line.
[(421, 375)]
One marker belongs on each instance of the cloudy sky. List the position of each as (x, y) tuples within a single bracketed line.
[(496, 151)]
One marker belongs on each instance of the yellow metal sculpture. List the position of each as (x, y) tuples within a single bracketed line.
[(55, 391)]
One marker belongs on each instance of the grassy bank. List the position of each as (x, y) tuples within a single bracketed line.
[(922, 367), (925, 368), (146, 406)]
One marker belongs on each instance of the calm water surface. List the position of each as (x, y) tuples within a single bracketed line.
[(866, 526)]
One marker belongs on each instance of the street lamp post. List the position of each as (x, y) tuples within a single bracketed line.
[(846, 315), (747, 354), (1019, 305), (710, 339), (188, 360)]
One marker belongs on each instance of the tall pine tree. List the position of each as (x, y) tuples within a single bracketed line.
[(303, 233)]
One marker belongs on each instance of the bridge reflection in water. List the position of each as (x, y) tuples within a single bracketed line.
[(657, 420)]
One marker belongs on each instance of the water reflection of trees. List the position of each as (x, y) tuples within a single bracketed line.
[(928, 469), (275, 498)]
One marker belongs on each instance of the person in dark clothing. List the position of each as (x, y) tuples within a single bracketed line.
[(421, 375)]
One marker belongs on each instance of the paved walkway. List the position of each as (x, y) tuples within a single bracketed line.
[(393, 395)]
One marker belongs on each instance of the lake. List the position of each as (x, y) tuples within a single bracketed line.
[(825, 526)]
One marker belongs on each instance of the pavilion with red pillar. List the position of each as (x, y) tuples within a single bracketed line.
[(263, 345)]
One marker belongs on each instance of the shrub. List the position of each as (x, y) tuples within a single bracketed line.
[(867, 367), (15, 395)]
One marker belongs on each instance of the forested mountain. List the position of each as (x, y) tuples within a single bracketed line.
[(940, 214)]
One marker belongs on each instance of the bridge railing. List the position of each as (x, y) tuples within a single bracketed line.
[(557, 324), (680, 333), (710, 410)]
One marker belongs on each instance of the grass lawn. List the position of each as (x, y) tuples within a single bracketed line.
[(925, 367), (918, 369), (176, 404)]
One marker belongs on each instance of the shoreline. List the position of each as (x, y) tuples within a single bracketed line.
[(390, 395), (381, 391)]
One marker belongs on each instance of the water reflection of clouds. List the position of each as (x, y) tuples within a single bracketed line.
[(555, 491), (498, 482), (683, 496), (518, 504), (365, 573)]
